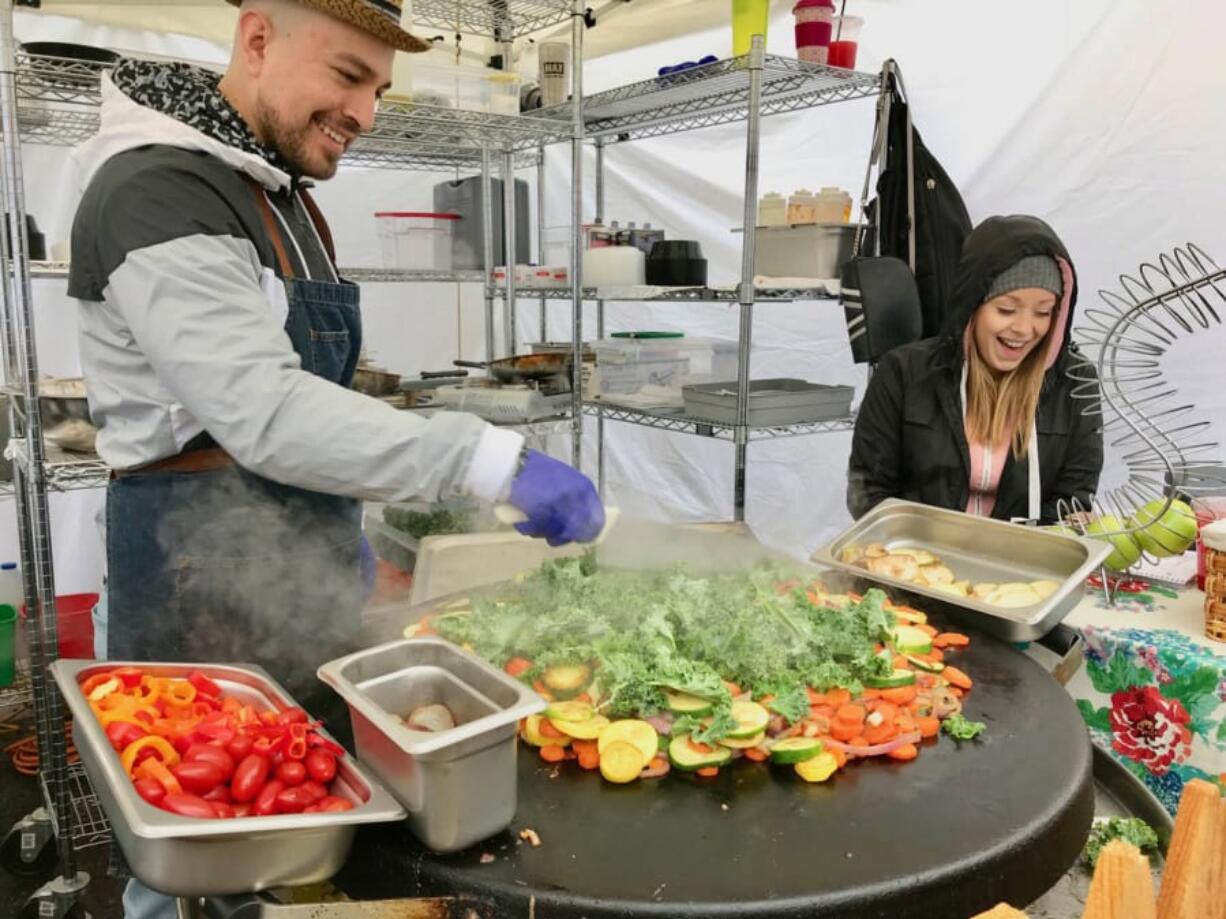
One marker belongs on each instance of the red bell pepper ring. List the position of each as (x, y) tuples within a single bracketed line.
[(204, 684), (296, 748), (129, 676), (221, 733)]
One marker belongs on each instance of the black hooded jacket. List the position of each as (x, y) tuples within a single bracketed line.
[(910, 440)]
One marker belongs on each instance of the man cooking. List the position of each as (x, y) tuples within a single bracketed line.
[(218, 344)]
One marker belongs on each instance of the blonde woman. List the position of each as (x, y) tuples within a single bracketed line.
[(982, 419)]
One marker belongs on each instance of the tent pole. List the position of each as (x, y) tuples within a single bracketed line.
[(578, 8)]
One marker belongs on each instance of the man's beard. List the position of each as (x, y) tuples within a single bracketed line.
[(291, 145)]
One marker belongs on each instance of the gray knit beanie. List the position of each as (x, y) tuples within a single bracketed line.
[(1039, 271)]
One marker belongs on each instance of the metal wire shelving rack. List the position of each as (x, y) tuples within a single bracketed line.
[(742, 89), (1161, 440), (53, 101)]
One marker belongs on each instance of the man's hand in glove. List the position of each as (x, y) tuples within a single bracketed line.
[(561, 503)]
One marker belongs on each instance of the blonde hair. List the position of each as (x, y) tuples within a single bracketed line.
[(1000, 406)]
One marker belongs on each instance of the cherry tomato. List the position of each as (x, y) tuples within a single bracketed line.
[(292, 716), (210, 753), (241, 810), (291, 773), (293, 800), (220, 793), (187, 805), (197, 777), (266, 803), (122, 733), (320, 765), (249, 778), (334, 804), (223, 810), (240, 747), (151, 790), (317, 790)]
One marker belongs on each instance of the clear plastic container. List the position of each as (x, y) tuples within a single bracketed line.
[(450, 86), (833, 206), (502, 93), (772, 210), (628, 365), (416, 240), (802, 207)]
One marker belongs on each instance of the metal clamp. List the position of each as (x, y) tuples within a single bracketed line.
[(1067, 644)]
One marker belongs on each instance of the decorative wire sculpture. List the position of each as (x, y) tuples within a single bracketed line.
[(1121, 378)]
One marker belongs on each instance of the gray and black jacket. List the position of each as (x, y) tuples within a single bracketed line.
[(182, 311)]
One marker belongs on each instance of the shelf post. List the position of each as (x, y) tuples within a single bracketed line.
[(749, 222), (487, 249), (600, 203), (578, 9), (29, 468)]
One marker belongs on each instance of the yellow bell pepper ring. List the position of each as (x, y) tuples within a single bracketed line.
[(166, 753), (179, 693), (104, 689)]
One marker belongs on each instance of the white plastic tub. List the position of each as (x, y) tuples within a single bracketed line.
[(416, 240)]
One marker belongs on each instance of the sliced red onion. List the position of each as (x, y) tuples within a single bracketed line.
[(878, 749), (661, 724), (657, 768)]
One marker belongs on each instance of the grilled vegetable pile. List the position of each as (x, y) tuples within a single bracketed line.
[(647, 672)]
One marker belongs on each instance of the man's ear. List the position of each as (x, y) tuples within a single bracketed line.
[(252, 38)]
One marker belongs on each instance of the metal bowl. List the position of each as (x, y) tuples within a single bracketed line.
[(65, 413)]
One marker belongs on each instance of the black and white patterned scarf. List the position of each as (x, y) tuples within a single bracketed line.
[(190, 95)]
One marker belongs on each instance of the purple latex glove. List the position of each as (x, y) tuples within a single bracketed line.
[(561, 503), (368, 566)]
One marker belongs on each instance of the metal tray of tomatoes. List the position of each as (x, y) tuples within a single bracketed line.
[(192, 857)]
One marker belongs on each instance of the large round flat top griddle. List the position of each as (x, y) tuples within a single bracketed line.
[(958, 830)]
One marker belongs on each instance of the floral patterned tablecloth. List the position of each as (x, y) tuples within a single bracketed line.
[(1153, 688)]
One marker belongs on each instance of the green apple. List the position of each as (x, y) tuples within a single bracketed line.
[(1125, 549), (1169, 534)]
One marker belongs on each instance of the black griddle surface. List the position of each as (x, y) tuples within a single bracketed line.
[(962, 828)]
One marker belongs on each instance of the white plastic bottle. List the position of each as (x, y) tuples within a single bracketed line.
[(12, 590), (772, 210)]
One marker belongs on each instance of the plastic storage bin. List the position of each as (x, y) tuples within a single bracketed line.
[(449, 86), (502, 93), (818, 250), (771, 402), (416, 239), (627, 366)]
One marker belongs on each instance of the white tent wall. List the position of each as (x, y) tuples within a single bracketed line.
[(1088, 114)]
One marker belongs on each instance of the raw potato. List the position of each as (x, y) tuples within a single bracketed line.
[(431, 718), (1045, 588), (875, 550), (982, 589), (1015, 595), (922, 556), (934, 574), (899, 567)]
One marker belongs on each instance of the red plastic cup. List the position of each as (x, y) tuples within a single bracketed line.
[(845, 41), (1208, 510), (813, 42)]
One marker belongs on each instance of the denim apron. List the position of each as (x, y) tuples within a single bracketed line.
[(225, 565)]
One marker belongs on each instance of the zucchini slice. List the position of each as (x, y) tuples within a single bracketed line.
[(684, 703), (742, 743), (910, 640), (566, 681), (895, 680), (621, 762), (929, 666), (792, 750), (683, 755), (817, 769), (583, 730), (750, 717), (637, 733), (569, 711)]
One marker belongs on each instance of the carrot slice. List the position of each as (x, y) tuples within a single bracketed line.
[(928, 726), (852, 714), (582, 746), (837, 697), (699, 747), (517, 666), (589, 759), (553, 754), (887, 710), (951, 640), (755, 755), (815, 697), (839, 756), (879, 733), (858, 741), (904, 752), (707, 772), (957, 678), (903, 695), (905, 724), (842, 731), (547, 729), (926, 629)]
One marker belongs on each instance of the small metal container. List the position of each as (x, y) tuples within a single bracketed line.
[(978, 549), (189, 857), (814, 250), (459, 786)]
